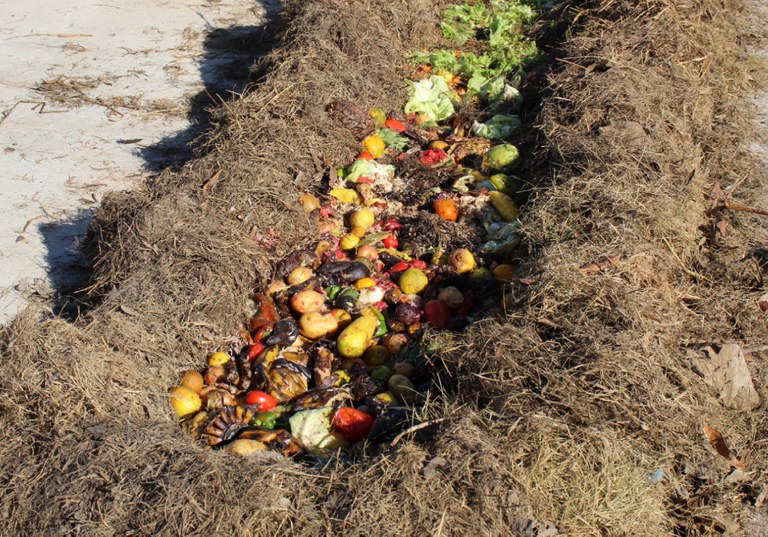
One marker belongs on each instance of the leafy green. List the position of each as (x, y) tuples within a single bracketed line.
[(440, 60), (460, 23), (368, 168), (488, 89), (432, 98), (313, 429), (392, 139), (498, 127), (500, 23)]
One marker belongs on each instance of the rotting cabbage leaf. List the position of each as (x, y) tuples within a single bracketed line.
[(432, 98), (498, 127), (313, 429), (368, 168)]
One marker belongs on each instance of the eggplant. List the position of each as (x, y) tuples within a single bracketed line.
[(390, 422), (293, 260), (347, 303), (388, 259), (283, 334), (341, 272)]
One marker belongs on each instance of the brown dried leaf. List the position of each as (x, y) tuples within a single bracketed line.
[(722, 227), (762, 302), (728, 373), (210, 183), (717, 440), (600, 266)]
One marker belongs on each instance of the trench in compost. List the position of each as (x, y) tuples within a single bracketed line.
[(268, 338)]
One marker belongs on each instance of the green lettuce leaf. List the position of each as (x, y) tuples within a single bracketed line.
[(432, 98)]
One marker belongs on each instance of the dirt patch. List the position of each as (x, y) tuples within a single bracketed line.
[(580, 409)]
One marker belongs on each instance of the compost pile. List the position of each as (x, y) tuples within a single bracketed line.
[(334, 353), (586, 406)]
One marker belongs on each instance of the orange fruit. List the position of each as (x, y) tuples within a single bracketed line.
[(374, 145)]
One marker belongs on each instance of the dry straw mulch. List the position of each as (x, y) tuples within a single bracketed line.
[(562, 409)]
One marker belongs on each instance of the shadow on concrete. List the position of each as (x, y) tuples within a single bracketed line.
[(226, 69)]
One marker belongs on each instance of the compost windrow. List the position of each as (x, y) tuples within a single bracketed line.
[(417, 235)]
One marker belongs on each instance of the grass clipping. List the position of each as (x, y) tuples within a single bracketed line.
[(563, 409)]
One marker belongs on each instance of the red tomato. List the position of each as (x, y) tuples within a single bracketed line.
[(432, 157), (263, 401), (395, 125), (254, 350), (437, 313), (366, 155), (419, 264), (367, 180), (352, 424), (390, 241)]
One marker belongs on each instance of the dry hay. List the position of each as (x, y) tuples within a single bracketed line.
[(562, 409)]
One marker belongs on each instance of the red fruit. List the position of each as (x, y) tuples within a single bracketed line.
[(254, 350), (367, 180), (391, 225), (419, 264), (390, 241), (352, 424), (437, 313), (366, 155), (395, 125), (262, 332), (326, 211), (400, 267), (432, 157), (262, 400)]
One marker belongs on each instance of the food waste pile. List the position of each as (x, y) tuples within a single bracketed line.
[(334, 356)]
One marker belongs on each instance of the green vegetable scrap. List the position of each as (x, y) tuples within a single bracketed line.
[(368, 168), (498, 127), (392, 139), (432, 98), (313, 429)]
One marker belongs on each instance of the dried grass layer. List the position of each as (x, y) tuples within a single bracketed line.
[(563, 408)]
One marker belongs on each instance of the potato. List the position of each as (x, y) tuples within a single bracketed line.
[(314, 325), (244, 447), (307, 300), (405, 369), (342, 317), (356, 337), (299, 275)]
